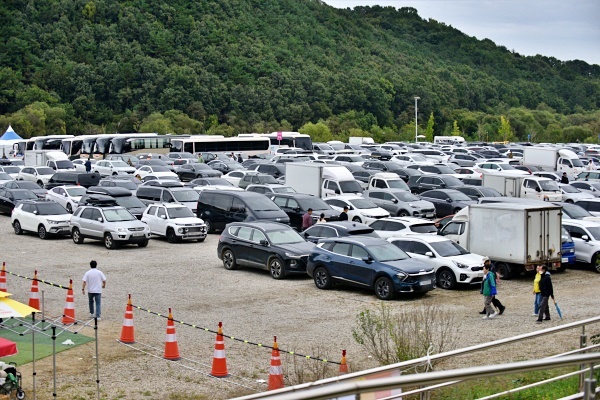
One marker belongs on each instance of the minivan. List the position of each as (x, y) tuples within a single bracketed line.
[(73, 178), (168, 194), (218, 208)]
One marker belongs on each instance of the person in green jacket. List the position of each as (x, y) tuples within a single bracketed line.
[(488, 289)]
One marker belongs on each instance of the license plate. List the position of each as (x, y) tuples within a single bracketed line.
[(429, 216), (138, 234), (427, 282), (564, 260)]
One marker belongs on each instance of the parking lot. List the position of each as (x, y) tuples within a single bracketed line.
[(190, 278)]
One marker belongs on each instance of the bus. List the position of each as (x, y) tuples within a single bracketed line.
[(250, 145), (289, 139), (119, 143), (448, 140)]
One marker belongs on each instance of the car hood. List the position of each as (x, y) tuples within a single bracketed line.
[(411, 265), (472, 260), (60, 217), (126, 169), (302, 248), (188, 221), (328, 213), (378, 212), (420, 204)]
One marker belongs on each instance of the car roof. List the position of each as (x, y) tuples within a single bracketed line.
[(421, 236), (170, 205), (110, 190), (344, 197), (346, 225), (290, 195), (408, 220), (363, 240), (264, 225), (580, 222)]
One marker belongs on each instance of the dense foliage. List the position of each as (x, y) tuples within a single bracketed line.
[(229, 66)]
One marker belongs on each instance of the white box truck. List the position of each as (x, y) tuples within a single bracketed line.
[(321, 180), (553, 159), (57, 160), (360, 140), (524, 186), (516, 237)]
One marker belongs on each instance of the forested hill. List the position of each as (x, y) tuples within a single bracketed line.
[(243, 62)]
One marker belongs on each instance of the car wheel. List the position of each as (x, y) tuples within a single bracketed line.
[(446, 279), (76, 235), (144, 243), (403, 213), (171, 236), (209, 227), (69, 208), (109, 242), (322, 278), (384, 288), (456, 210), (228, 260), (503, 271), (277, 268), (17, 227), (42, 233), (596, 262), (356, 219)]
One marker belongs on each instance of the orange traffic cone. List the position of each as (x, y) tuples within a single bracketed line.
[(34, 296), (69, 311), (3, 278), (343, 365), (219, 366), (275, 372), (171, 347), (127, 330)]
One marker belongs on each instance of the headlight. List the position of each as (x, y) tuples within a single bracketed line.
[(402, 275), (51, 222), (460, 265), (75, 201), (292, 255), (120, 229)]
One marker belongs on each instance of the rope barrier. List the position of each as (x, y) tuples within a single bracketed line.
[(293, 353), (39, 280)]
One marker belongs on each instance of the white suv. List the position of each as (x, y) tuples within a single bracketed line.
[(113, 167), (39, 175), (451, 262), (42, 216), (175, 222), (586, 236)]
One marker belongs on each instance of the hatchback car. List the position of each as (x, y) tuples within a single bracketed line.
[(398, 226), (423, 183), (153, 170), (452, 263), (10, 197), (447, 201), (39, 175), (67, 196), (571, 194), (191, 171), (112, 167), (107, 221), (266, 245), (586, 236), (45, 217), (590, 187), (370, 263), (175, 222), (256, 179)]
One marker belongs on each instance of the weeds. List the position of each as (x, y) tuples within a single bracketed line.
[(298, 370)]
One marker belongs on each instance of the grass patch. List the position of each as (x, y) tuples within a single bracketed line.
[(43, 343)]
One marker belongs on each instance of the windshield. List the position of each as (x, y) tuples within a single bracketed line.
[(350, 187), (387, 252), (28, 185), (265, 179), (459, 196), (76, 192), (419, 157), (118, 215), (219, 181), (565, 237), (129, 202), (576, 162), (24, 195), (126, 184), (362, 204), (51, 209), (448, 248), (119, 164), (284, 236), (397, 184), (11, 170), (549, 186), (261, 203), (452, 181), (234, 165), (180, 212), (316, 204), (186, 195), (65, 164), (337, 146), (569, 189), (594, 231), (328, 147), (424, 228), (356, 158), (158, 168), (406, 196), (575, 212), (445, 170), (506, 166), (283, 189), (489, 192), (45, 171), (5, 177)]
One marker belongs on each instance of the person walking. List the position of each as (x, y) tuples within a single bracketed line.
[(537, 299), (95, 281), (200, 159), (321, 218), (546, 291), (495, 301), (564, 178), (88, 165), (488, 290), (344, 214), (307, 220), (240, 159)]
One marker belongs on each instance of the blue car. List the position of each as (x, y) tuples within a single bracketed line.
[(567, 251), (369, 263)]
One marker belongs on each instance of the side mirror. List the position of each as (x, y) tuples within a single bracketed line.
[(449, 200), (443, 185), (163, 216), (99, 219), (429, 254), (537, 189), (368, 260), (586, 238), (264, 242), (498, 169), (394, 200), (64, 195), (337, 191), (306, 234)]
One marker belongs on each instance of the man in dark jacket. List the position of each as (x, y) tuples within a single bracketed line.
[(564, 178), (546, 291), (344, 214), (88, 165)]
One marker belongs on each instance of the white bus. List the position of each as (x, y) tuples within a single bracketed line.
[(289, 139), (250, 145), (118, 143), (449, 140)]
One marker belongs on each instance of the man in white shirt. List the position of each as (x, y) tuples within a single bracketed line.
[(96, 281)]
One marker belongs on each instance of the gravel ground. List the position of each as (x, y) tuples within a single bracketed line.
[(190, 278)]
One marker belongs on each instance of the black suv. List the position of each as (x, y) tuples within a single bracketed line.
[(423, 183), (266, 245), (73, 178), (275, 170), (295, 205), (385, 166)]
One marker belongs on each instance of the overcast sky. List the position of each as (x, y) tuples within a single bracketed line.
[(566, 30)]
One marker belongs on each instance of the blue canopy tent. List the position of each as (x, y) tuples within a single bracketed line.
[(10, 134)]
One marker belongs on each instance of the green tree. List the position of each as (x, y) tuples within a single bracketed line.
[(318, 132), (156, 122), (455, 129), (429, 129), (505, 132)]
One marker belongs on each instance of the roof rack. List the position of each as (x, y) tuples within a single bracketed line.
[(99, 200)]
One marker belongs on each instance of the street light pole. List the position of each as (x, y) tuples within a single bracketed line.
[(417, 98)]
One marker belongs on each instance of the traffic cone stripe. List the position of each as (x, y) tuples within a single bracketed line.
[(171, 337), (34, 295), (274, 370), (219, 353), (127, 322), (3, 278)]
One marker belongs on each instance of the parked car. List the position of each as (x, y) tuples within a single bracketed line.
[(266, 245), (400, 203), (477, 192), (447, 201), (171, 192), (295, 205), (256, 179), (175, 222), (10, 197), (571, 194), (12, 170), (119, 183), (201, 184), (586, 236), (498, 167), (44, 217), (441, 222), (121, 196), (225, 166), (423, 183), (219, 208), (112, 167), (154, 170), (107, 221), (39, 175), (590, 187), (182, 158), (191, 171), (464, 160), (368, 263), (39, 191), (328, 230), (588, 176), (275, 170), (268, 189), (397, 226), (550, 175), (67, 196), (130, 159), (359, 209), (73, 178), (155, 162), (467, 172), (385, 166), (590, 205), (452, 264)]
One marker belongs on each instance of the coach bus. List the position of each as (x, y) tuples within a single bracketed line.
[(248, 144), (290, 139)]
